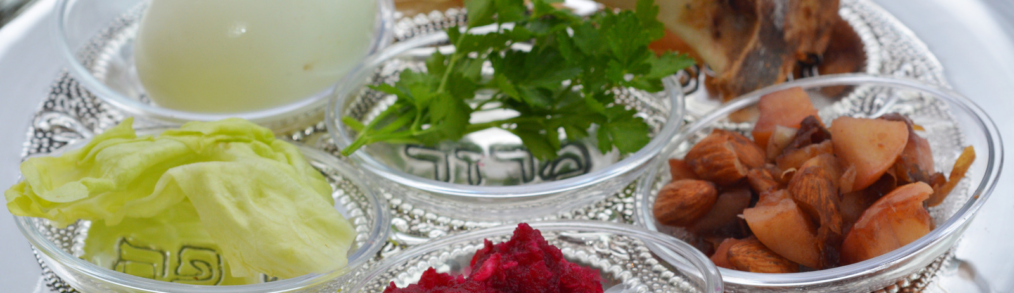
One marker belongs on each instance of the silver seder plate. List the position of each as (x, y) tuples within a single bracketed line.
[(70, 113)]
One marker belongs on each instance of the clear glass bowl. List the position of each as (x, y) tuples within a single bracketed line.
[(96, 37), (489, 176), (617, 251), (951, 122), (60, 249)]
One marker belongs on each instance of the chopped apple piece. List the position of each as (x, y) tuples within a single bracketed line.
[(786, 108), (847, 180), (871, 146), (779, 139), (893, 221), (814, 191), (772, 198), (786, 230)]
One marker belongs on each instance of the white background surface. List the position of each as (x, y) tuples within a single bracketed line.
[(970, 37)]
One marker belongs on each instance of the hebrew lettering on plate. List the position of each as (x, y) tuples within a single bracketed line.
[(505, 164), (193, 265), (140, 261), (429, 157), (516, 154), (198, 266), (471, 156), (574, 159)]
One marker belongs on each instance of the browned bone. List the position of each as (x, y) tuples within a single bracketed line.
[(749, 43), (844, 54)]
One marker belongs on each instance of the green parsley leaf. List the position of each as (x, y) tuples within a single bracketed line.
[(668, 64), (510, 10), (605, 142), (565, 84), (586, 38), (628, 135), (480, 12), (437, 64), (534, 140)]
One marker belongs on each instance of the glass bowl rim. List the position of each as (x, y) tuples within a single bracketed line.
[(381, 229), (954, 224), (383, 36), (341, 138), (709, 273)]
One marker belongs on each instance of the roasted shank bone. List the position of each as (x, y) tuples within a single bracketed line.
[(749, 44)]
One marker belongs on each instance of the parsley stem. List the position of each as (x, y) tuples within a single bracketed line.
[(404, 135), (565, 81), (360, 142), (454, 60), (423, 131), (417, 123), (373, 123), (368, 130)]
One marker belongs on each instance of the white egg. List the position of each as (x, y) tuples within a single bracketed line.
[(227, 56)]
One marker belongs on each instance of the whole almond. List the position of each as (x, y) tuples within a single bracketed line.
[(748, 152), (682, 202), (715, 159), (752, 256)]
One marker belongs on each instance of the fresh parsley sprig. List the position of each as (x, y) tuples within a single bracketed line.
[(563, 84)]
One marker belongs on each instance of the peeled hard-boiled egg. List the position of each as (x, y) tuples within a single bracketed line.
[(228, 56)]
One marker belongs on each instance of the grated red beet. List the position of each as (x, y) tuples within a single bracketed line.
[(436, 282), (525, 263)]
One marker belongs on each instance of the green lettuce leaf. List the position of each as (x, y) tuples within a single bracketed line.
[(144, 247), (260, 201)]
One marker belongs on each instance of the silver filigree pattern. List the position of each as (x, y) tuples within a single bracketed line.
[(70, 113)]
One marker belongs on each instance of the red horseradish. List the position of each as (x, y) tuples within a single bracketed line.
[(525, 263)]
